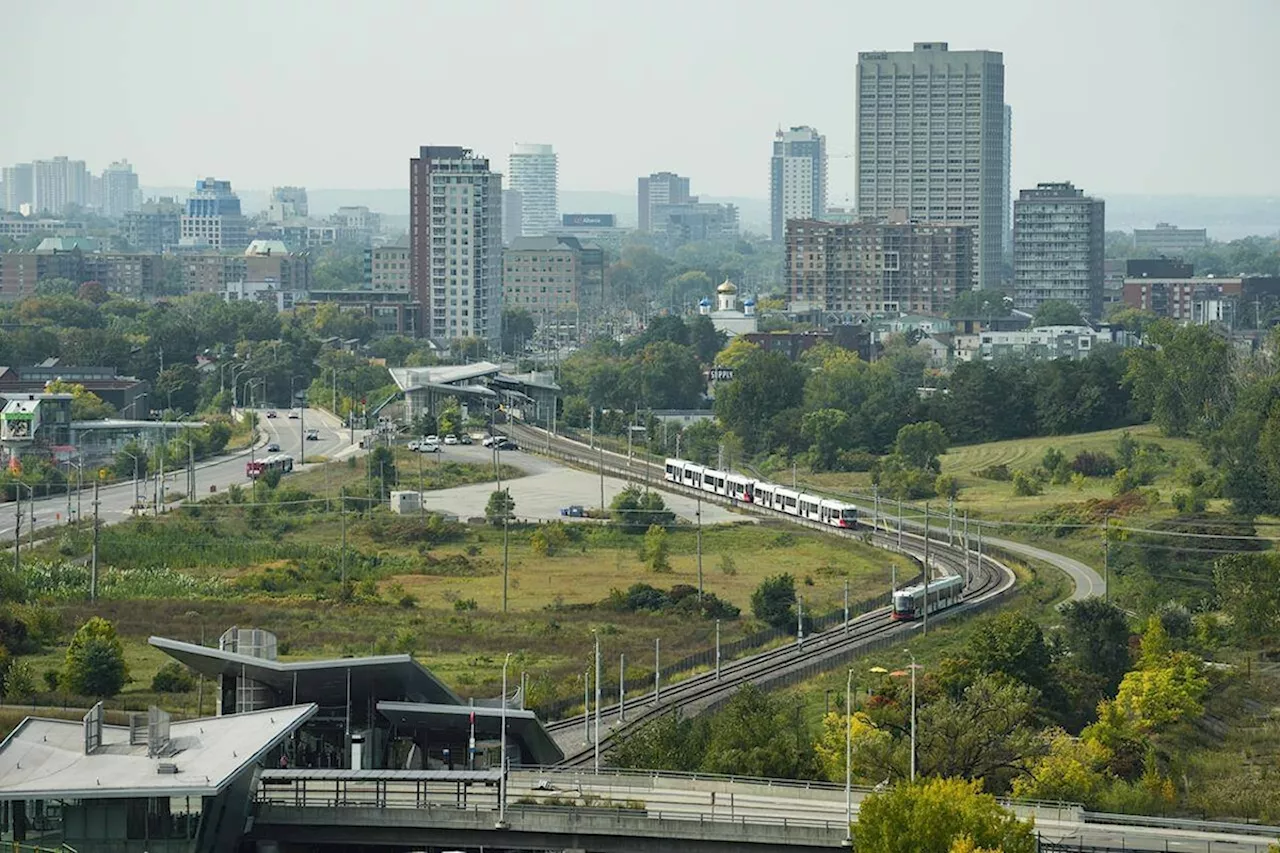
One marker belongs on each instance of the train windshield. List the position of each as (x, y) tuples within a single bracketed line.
[(849, 514), (903, 603)]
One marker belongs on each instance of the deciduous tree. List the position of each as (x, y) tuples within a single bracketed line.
[(95, 664), (931, 816)]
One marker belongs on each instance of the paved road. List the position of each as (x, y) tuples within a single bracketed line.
[(1087, 581), (117, 500), (546, 487)]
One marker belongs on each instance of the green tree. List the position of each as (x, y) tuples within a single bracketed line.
[(668, 742), (736, 353), (981, 304), (984, 734), (1096, 633), (85, 405), (500, 506), (1073, 771), (173, 677), (758, 735), (656, 549), (95, 664), (931, 816), (1161, 696), (1057, 312), (1012, 644), (764, 385), (19, 681), (773, 601), (517, 329), (381, 464), (705, 339), (828, 430), (875, 755), (1184, 381), (635, 510), (1248, 588), (921, 444)]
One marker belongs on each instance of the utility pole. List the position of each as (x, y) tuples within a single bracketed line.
[(951, 522), (17, 526), (717, 650), (657, 669), (846, 605), (302, 433), (592, 434), (597, 755), (800, 620), (622, 687), (342, 515), (965, 534), (899, 524), (926, 571), (93, 560), (698, 515), (875, 510), (1106, 557), (602, 480)]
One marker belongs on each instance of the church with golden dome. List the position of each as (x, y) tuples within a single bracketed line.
[(728, 317)]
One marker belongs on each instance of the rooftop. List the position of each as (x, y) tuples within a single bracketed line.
[(47, 758), (414, 377)]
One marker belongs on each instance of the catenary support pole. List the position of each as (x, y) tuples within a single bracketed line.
[(925, 629), (93, 560)]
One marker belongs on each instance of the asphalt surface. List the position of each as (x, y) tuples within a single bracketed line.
[(117, 501), (546, 488)]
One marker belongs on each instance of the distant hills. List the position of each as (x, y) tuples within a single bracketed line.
[(1226, 217)]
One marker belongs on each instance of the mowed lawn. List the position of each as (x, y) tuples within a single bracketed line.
[(735, 559), (996, 499)]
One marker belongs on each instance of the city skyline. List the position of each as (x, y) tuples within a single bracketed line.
[(711, 84)]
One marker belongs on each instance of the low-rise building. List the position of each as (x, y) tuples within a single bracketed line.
[(542, 275), (123, 393), (1039, 344), (1202, 299), (877, 265), (153, 227), (854, 337), (18, 227), (394, 313), (1166, 239), (674, 225), (727, 316), (78, 259), (386, 268), (480, 387)]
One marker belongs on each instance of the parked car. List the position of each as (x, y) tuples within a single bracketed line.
[(450, 439), (429, 447), (273, 447), (293, 414), (271, 414), (465, 439), (574, 511), (432, 439), (506, 444), (413, 445)]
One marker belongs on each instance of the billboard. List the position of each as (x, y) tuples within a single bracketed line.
[(588, 220)]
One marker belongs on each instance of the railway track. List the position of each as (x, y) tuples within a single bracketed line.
[(988, 580)]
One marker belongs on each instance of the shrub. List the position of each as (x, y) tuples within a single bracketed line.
[(95, 660), (656, 551), (19, 680), (1052, 459), (999, 473), (946, 486), (1093, 464), (727, 565), (1189, 503), (1026, 485), (549, 539), (463, 605), (172, 678)]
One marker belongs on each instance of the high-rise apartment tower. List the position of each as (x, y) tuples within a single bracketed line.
[(931, 140), (455, 243), (533, 170), (1059, 238), (797, 178)]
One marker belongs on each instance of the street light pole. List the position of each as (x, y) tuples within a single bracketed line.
[(502, 760), (913, 716), (848, 758), (597, 738)]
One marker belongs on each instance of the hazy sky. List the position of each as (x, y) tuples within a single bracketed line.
[(1119, 96)]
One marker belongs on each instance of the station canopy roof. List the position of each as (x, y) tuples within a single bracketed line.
[(320, 681)]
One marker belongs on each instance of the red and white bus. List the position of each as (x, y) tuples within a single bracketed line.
[(281, 462)]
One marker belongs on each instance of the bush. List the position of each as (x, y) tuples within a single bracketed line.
[(727, 565), (947, 486), (1189, 503), (1052, 459), (95, 660), (856, 460), (1093, 464), (19, 680), (1026, 485), (549, 539), (999, 473), (774, 600), (463, 605), (173, 678), (656, 550)]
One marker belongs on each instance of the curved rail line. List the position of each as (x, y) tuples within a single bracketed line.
[(989, 580)]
